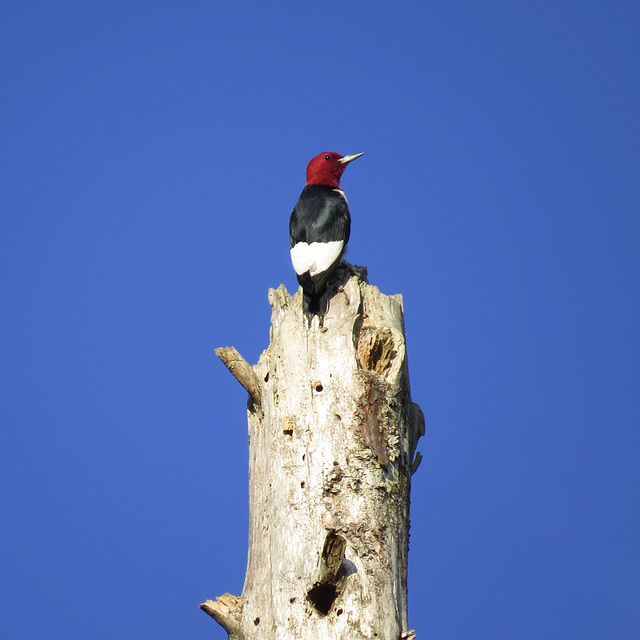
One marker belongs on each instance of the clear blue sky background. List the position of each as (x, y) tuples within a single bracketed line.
[(151, 153)]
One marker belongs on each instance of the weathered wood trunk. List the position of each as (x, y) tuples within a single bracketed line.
[(332, 432)]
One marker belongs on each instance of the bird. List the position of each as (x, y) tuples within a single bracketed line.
[(319, 229)]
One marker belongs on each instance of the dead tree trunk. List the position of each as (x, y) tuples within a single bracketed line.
[(332, 432)]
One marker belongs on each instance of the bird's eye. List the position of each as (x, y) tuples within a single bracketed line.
[(328, 157)]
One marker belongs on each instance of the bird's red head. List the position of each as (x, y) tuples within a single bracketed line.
[(326, 168)]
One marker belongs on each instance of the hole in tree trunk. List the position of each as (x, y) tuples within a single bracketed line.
[(322, 596)]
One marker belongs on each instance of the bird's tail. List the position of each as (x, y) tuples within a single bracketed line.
[(315, 304)]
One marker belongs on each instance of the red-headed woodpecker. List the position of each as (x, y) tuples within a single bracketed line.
[(319, 229)]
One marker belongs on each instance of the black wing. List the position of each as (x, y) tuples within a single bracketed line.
[(320, 215)]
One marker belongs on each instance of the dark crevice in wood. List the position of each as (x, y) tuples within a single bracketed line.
[(326, 588), (322, 596)]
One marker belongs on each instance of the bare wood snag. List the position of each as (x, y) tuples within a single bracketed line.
[(333, 433)]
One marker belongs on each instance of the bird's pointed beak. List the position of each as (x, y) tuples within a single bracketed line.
[(347, 159)]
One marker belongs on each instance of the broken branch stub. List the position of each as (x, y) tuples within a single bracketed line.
[(242, 371)]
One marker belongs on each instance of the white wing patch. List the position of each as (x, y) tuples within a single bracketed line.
[(315, 257)]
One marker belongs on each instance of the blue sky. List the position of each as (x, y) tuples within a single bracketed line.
[(151, 155)]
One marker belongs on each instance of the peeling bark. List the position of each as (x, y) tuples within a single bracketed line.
[(332, 433)]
